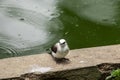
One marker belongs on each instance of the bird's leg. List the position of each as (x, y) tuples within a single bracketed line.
[(57, 59), (65, 59), (62, 60)]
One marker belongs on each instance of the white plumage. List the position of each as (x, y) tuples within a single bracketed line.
[(60, 49)]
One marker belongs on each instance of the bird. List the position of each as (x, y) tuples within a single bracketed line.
[(60, 50)]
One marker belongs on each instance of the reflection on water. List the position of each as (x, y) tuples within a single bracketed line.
[(100, 11), (26, 29), (90, 23)]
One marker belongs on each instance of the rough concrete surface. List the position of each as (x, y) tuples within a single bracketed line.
[(41, 63)]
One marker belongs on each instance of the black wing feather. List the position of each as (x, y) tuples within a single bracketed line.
[(54, 49)]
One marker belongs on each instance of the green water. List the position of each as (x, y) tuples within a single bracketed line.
[(34, 27)]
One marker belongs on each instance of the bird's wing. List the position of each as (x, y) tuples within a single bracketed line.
[(54, 48)]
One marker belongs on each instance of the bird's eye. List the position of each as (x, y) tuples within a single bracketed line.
[(63, 43)]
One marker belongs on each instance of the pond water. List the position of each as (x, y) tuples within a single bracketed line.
[(32, 26)]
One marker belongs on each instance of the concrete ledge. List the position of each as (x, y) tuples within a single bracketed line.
[(42, 63)]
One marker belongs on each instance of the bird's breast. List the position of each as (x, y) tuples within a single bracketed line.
[(64, 50)]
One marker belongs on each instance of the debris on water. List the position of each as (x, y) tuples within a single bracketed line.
[(66, 33), (23, 44), (114, 21), (19, 34), (72, 23), (22, 19), (49, 32), (104, 19), (111, 21), (76, 25), (61, 12), (55, 15)]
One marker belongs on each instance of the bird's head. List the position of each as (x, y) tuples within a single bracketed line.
[(62, 42)]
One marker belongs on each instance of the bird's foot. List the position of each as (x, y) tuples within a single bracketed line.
[(62, 60), (65, 59)]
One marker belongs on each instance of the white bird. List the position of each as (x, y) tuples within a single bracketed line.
[(60, 49)]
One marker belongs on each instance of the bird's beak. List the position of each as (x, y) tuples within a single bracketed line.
[(63, 43)]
